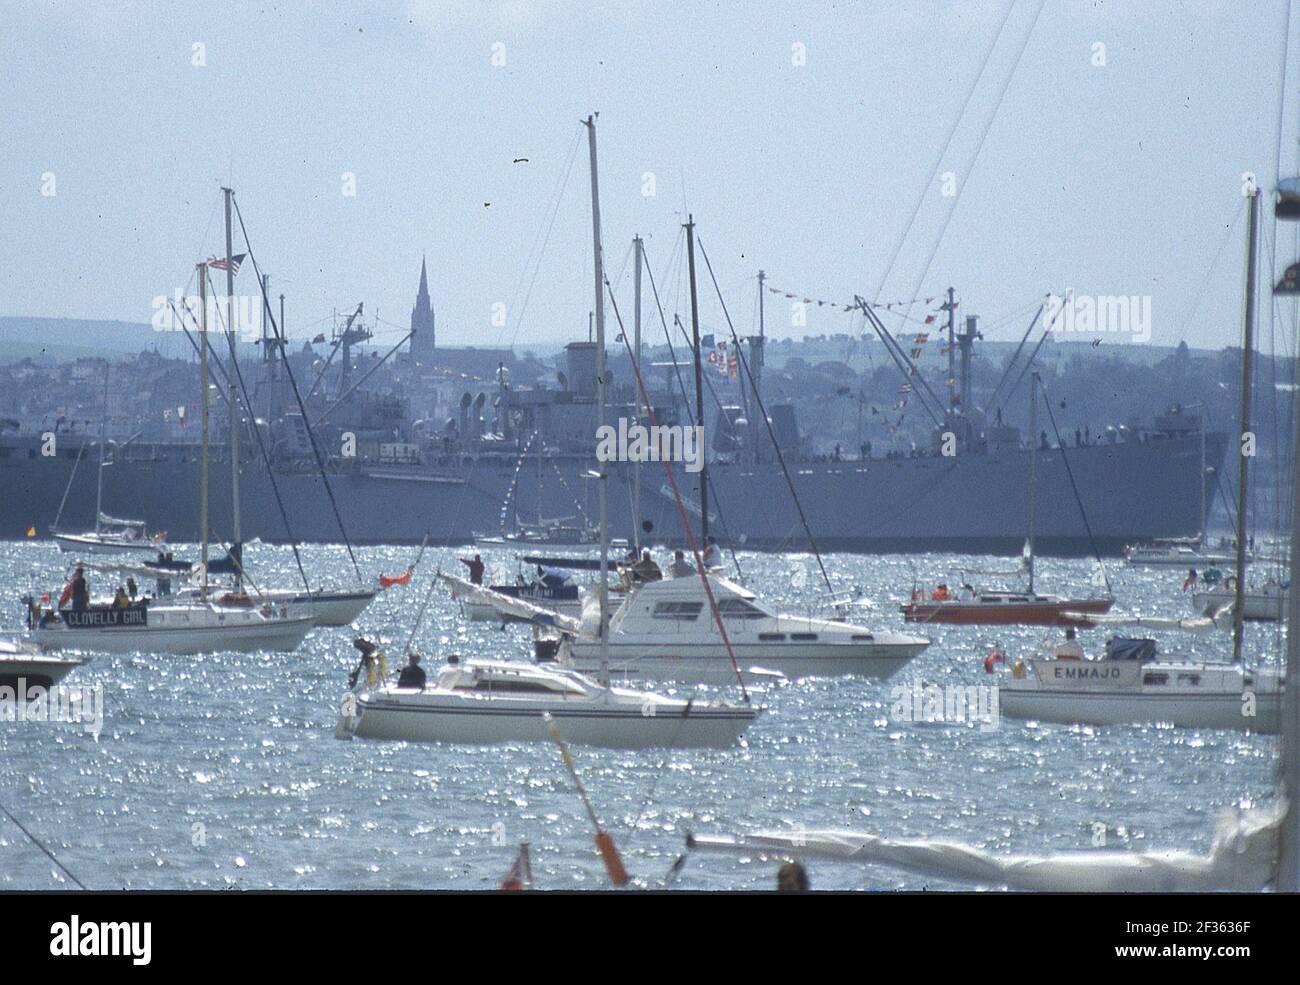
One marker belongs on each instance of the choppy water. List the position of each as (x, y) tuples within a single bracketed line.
[(222, 770)]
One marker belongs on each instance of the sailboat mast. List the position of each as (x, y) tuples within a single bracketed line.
[(636, 349), (1033, 470), (237, 546), (1205, 518), (103, 424), (602, 506), (203, 417), (756, 368), (699, 381), (1247, 358), (1288, 858)]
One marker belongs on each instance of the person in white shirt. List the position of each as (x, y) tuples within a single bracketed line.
[(1069, 648), (712, 556)]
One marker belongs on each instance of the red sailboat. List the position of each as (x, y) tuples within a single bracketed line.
[(1007, 608)]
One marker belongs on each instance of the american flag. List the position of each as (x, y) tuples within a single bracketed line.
[(219, 263)]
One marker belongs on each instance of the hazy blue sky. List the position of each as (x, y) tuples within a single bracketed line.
[(1114, 179)]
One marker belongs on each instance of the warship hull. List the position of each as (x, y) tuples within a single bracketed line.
[(977, 503)]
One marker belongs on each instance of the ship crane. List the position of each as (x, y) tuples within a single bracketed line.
[(352, 334)]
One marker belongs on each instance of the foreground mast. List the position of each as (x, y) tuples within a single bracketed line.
[(603, 505)]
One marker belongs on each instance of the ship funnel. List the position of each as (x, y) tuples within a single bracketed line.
[(580, 359), (465, 401)]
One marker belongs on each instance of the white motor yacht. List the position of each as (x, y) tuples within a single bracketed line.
[(665, 630)]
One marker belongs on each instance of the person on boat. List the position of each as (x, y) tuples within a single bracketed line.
[(476, 569), (120, 600), (412, 674), (712, 554), (792, 877), (551, 577), (646, 569), (1190, 580), (680, 568), (76, 592), (940, 593), (967, 593), (131, 588), (1069, 648)]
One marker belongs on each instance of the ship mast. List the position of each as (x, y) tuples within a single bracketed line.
[(756, 348), (1247, 356), (237, 546), (203, 416), (636, 357), (103, 423), (602, 504), (699, 383), (952, 355), (1033, 470)]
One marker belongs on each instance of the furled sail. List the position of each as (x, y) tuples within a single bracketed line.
[(1242, 857), (508, 606)]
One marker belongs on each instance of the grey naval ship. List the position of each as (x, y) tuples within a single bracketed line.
[(499, 455)]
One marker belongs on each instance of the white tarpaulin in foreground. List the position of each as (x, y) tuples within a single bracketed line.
[(508, 606), (1242, 857)]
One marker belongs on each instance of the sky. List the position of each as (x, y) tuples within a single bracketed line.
[(1107, 159)]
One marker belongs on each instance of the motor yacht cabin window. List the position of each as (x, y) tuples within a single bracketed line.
[(680, 611), (740, 609)]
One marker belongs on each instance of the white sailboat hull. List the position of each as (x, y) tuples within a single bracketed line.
[(330, 608), (1222, 710), (708, 663), (1125, 693), (416, 717), (1256, 606), (235, 632), (97, 544)]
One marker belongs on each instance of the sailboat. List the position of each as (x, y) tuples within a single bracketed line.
[(1130, 684), (112, 535), (1251, 850), (1006, 608), (327, 607), (182, 626), (1261, 603), (543, 531), (489, 701)]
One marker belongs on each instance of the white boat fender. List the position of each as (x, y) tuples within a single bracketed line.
[(346, 726)]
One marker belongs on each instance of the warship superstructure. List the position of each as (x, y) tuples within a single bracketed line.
[(452, 457)]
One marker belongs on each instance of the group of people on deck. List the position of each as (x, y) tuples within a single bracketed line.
[(646, 569), (77, 592), (641, 569)]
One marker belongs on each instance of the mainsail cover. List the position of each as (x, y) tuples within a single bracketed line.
[(112, 521), (1242, 857)]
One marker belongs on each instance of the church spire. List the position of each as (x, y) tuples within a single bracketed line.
[(422, 318)]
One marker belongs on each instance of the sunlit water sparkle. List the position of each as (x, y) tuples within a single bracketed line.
[(222, 771)]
